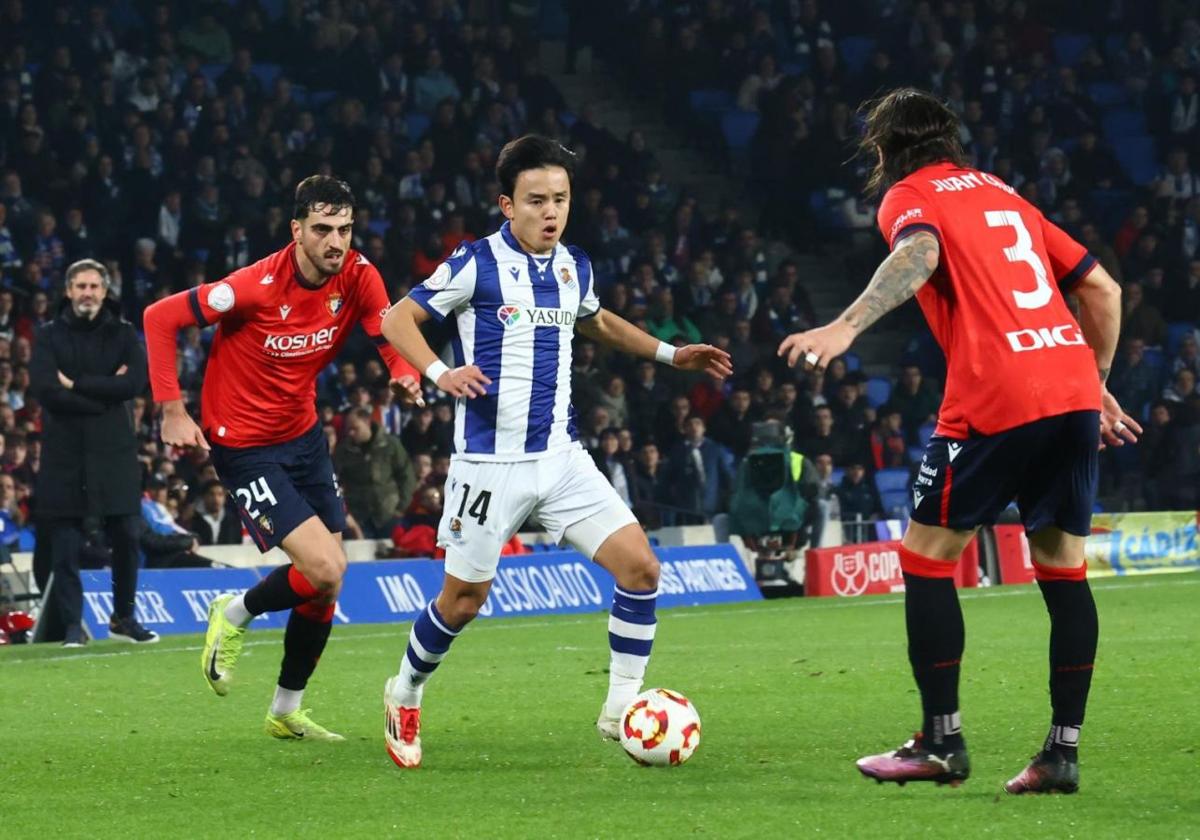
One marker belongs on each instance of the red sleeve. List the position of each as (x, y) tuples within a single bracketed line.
[(374, 304), (1070, 262), (201, 306), (904, 211)]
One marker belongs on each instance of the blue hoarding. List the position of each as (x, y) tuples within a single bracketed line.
[(543, 583)]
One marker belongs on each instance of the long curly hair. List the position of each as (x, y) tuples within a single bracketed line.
[(908, 129)]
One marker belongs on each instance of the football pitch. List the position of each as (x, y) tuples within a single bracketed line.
[(111, 741)]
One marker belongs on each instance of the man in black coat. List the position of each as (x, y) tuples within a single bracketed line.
[(88, 364)]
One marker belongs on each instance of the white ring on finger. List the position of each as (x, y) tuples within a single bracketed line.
[(1119, 426), (812, 358)]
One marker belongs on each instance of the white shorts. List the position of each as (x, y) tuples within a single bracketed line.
[(486, 502)]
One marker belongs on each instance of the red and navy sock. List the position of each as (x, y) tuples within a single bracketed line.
[(303, 643), (283, 589), (935, 646), (1074, 632)]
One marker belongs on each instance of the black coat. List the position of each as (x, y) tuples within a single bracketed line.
[(89, 461)]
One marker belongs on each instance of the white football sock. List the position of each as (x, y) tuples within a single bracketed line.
[(409, 686), (625, 675), (286, 700), (236, 612)]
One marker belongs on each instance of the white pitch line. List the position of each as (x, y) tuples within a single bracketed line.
[(677, 613)]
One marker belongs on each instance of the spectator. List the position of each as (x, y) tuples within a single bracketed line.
[(88, 365), (917, 402), (1134, 381), (858, 501), (376, 474), (165, 543), (216, 522), (1187, 358), (1182, 387), (669, 326), (434, 85), (889, 448), (613, 465), (647, 486), (1141, 320), (733, 423), (613, 400), (700, 474)]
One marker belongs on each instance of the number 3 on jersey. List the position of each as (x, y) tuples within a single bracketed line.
[(1023, 251), (258, 491)]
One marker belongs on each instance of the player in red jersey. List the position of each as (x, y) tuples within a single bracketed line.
[(1024, 414), (280, 322)]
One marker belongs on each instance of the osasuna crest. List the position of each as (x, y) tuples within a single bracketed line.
[(266, 525), (565, 274), (334, 303)]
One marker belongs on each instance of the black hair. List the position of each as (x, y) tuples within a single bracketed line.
[(322, 191), (906, 130), (532, 151)]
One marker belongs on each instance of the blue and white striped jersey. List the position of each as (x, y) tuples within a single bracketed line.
[(516, 317)]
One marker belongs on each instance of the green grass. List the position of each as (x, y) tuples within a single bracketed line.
[(111, 741)]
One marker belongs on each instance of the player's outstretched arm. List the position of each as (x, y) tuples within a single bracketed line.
[(401, 326), (898, 278), (614, 331), (1099, 298), (163, 321)]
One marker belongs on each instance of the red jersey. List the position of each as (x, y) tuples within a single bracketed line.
[(996, 304), (276, 332)]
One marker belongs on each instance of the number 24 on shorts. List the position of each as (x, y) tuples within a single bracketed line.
[(479, 508), (258, 491)]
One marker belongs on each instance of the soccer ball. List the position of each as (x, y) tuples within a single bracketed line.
[(660, 728)]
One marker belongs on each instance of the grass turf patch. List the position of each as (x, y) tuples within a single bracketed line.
[(114, 740)]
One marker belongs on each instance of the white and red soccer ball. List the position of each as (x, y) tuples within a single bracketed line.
[(660, 728)]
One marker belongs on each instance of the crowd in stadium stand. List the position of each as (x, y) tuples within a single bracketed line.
[(165, 139)]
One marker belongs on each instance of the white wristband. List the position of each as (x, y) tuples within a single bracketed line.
[(665, 353), (435, 370)]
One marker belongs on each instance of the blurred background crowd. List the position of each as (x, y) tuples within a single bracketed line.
[(165, 140)]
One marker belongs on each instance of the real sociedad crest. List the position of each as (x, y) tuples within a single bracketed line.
[(565, 274), (334, 303)]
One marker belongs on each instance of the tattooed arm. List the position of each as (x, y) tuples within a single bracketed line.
[(898, 278)]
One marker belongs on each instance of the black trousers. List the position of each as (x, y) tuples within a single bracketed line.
[(67, 541)]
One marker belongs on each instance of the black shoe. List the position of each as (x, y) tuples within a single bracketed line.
[(129, 630), (1049, 772), (75, 637), (914, 763)]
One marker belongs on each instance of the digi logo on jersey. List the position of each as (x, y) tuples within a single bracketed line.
[(299, 345), (1064, 335), (537, 316)]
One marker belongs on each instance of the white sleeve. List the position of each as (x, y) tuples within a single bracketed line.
[(450, 287)]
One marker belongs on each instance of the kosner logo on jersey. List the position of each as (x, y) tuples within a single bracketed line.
[(1064, 335), (292, 343)]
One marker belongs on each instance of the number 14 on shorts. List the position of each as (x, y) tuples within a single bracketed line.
[(479, 508)]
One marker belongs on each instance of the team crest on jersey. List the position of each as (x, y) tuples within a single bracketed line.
[(456, 528), (266, 525), (334, 303), (565, 274), (437, 281), (508, 315)]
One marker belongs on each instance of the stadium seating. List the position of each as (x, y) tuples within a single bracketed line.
[(855, 52), (1137, 157), (894, 490), (878, 391), (1069, 48)]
